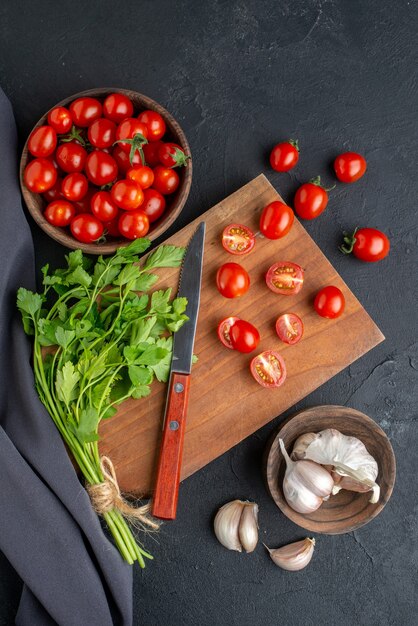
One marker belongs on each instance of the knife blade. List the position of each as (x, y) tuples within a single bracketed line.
[(166, 490)]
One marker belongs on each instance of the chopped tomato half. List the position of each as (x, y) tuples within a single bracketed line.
[(285, 278), (238, 239), (268, 369), (289, 328), (224, 330)]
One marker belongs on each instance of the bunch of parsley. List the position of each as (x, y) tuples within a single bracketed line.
[(109, 340)]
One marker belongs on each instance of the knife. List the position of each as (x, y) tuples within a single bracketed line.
[(166, 490)]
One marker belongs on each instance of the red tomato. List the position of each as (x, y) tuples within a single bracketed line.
[(122, 159), (289, 328), (40, 175), (54, 193), (127, 130), (42, 141), (102, 133), (268, 369), (232, 280), (224, 330), (244, 336), (74, 186), (112, 227), (133, 224), (367, 244), (349, 167), (59, 213), (103, 207), (166, 180), (61, 120), (142, 174), (329, 302), (154, 204), (127, 195), (155, 124), (71, 157), (85, 110), (284, 156), (238, 239), (172, 155), (276, 220), (117, 107), (86, 228), (151, 153), (101, 168), (311, 199), (285, 278), (83, 205)]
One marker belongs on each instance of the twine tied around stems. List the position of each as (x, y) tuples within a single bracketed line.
[(106, 496)]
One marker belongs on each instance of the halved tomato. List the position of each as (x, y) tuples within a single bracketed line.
[(268, 369), (224, 329), (289, 328), (238, 239), (285, 277)]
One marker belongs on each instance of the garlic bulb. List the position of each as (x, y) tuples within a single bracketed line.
[(235, 525), (300, 445), (349, 458), (294, 556), (306, 484)]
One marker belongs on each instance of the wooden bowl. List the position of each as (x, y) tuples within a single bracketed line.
[(175, 202), (347, 510)]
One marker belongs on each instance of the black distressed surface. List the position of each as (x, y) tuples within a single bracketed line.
[(239, 76)]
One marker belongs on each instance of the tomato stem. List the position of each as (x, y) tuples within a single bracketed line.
[(180, 158), (349, 241), (74, 135), (136, 143), (294, 143), (317, 181)]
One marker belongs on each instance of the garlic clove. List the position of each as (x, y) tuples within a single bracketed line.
[(294, 556), (300, 445), (226, 525), (298, 497), (248, 527)]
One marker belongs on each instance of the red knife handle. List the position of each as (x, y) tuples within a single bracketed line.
[(169, 465)]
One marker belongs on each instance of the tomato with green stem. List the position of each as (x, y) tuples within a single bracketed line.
[(289, 328), (60, 119), (133, 224), (276, 220), (40, 175), (85, 111), (329, 302), (349, 167), (59, 213), (131, 136), (238, 239), (244, 336), (154, 123), (232, 280), (224, 331), (268, 369), (117, 107), (284, 156), (367, 244), (172, 155), (86, 228), (285, 278), (42, 141), (123, 161), (311, 199)]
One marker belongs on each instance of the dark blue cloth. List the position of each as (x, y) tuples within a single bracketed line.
[(72, 574)]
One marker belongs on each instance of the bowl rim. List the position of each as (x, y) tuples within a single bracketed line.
[(299, 518), (61, 235)]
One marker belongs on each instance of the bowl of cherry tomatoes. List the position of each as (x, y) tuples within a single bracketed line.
[(104, 167)]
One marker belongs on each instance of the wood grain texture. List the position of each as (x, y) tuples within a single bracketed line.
[(347, 510), (226, 404), (175, 202)]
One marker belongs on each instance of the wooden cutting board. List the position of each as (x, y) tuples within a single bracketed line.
[(226, 404)]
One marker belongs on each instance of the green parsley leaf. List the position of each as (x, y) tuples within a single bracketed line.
[(160, 301), (165, 256), (140, 375), (28, 301), (66, 383), (85, 430), (138, 246), (151, 356), (141, 392), (145, 282), (64, 337)]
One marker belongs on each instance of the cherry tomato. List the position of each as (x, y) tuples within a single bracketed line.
[(268, 369), (166, 180), (172, 155), (151, 153), (284, 156), (311, 199), (238, 239), (349, 167), (59, 213), (155, 124), (154, 204), (122, 159), (232, 280), (61, 120), (142, 174), (71, 157), (289, 328), (367, 244), (83, 205), (127, 130), (42, 141), (329, 302), (54, 193), (103, 207), (224, 331), (244, 336), (276, 220), (85, 110), (86, 228), (101, 168), (127, 195), (133, 224), (285, 278), (102, 133), (74, 186), (112, 226), (117, 107), (40, 175)]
